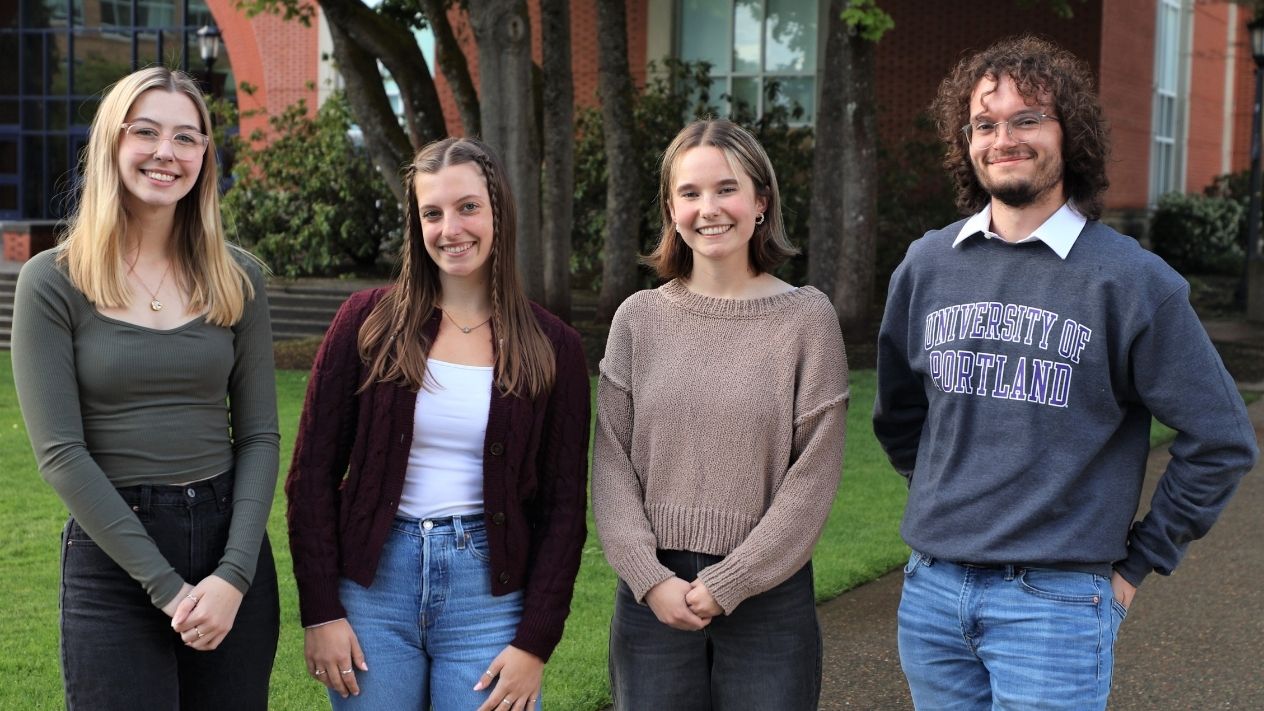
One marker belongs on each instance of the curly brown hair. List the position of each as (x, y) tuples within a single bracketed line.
[(1039, 69)]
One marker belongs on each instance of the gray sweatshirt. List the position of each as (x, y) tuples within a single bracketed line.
[(1015, 390)]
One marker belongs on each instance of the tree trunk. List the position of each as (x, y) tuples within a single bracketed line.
[(623, 212), (507, 113), (559, 154), (854, 296), (451, 61), (825, 217), (394, 45), (386, 142)]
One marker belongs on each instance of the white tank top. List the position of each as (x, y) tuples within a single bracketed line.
[(445, 464)]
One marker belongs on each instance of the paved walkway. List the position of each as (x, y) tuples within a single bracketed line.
[(1192, 642)]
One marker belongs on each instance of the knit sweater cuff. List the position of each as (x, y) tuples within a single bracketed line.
[(1134, 568), (539, 634), (726, 581), (319, 602), (641, 570)]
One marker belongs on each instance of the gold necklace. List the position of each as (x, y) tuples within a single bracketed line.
[(466, 329), (154, 303)]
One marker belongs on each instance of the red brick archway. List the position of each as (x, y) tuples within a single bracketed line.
[(278, 58)]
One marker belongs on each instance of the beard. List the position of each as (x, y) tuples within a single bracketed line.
[(1020, 192), (1015, 194)]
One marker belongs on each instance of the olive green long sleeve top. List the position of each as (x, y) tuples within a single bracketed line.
[(110, 404)]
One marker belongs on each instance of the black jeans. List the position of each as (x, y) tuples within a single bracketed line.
[(766, 655), (118, 651)]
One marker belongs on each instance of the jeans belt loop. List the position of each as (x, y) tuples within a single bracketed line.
[(458, 529)]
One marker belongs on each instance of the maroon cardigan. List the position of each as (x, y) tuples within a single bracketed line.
[(350, 458)]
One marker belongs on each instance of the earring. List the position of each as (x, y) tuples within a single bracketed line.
[(759, 219)]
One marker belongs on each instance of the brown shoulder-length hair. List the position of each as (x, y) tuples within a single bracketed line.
[(392, 341), (769, 246), (1039, 69)]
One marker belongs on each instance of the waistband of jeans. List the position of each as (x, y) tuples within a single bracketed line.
[(1103, 569), (216, 488), (439, 524)]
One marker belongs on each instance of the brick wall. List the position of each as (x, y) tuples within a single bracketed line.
[(1207, 96), (929, 39), (1126, 71), (278, 58)]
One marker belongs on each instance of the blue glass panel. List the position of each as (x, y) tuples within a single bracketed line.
[(704, 33), (791, 36), (747, 20)]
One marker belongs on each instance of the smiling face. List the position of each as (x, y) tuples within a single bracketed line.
[(1016, 174), (152, 177), (714, 206), (457, 224)]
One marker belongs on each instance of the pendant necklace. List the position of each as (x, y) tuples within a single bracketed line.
[(466, 329), (154, 303)]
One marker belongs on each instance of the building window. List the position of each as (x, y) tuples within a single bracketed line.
[(1171, 68), (62, 55), (752, 45)]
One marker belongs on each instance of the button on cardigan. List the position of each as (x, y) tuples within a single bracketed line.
[(351, 455)]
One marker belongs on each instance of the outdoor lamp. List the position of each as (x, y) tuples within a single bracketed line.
[(209, 43)]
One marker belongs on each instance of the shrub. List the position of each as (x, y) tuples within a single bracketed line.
[(310, 202), (1199, 233)]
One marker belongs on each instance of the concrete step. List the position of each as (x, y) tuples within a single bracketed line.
[(324, 301), (301, 312)]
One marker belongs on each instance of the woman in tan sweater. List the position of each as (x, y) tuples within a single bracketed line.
[(721, 411)]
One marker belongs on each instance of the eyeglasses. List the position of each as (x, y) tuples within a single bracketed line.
[(1023, 128), (186, 145)]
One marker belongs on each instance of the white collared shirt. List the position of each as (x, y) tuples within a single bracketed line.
[(1059, 231)]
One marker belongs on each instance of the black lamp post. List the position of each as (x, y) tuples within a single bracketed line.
[(1254, 270), (209, 43)]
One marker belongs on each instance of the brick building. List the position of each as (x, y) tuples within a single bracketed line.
[(1175, 75)]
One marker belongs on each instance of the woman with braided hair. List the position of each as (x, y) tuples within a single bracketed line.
[(437, 491)]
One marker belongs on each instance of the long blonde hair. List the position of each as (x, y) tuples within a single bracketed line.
[(392, 341), (93, 249)]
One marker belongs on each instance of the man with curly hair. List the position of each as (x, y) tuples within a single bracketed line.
[(1022, 354)]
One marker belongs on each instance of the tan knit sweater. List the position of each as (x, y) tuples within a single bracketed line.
[(719, 430)]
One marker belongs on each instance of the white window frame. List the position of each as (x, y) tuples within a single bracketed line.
[(1169, 118), (722, 77)]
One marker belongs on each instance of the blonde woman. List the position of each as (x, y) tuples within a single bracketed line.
[(143, 361), (436, 499), (721, 410)]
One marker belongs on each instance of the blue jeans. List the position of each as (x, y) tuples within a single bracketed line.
[(766, 655), (429, 625), (118, 651), (1006, 639)]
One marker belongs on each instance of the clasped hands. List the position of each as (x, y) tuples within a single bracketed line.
[(203, 615), (683, 605)]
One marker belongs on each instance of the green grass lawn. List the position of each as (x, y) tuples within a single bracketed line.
[(860, 543)]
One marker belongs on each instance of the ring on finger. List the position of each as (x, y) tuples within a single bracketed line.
[(200, 634), (344, 672), (318, 672), (506, 701), (489, 673)]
